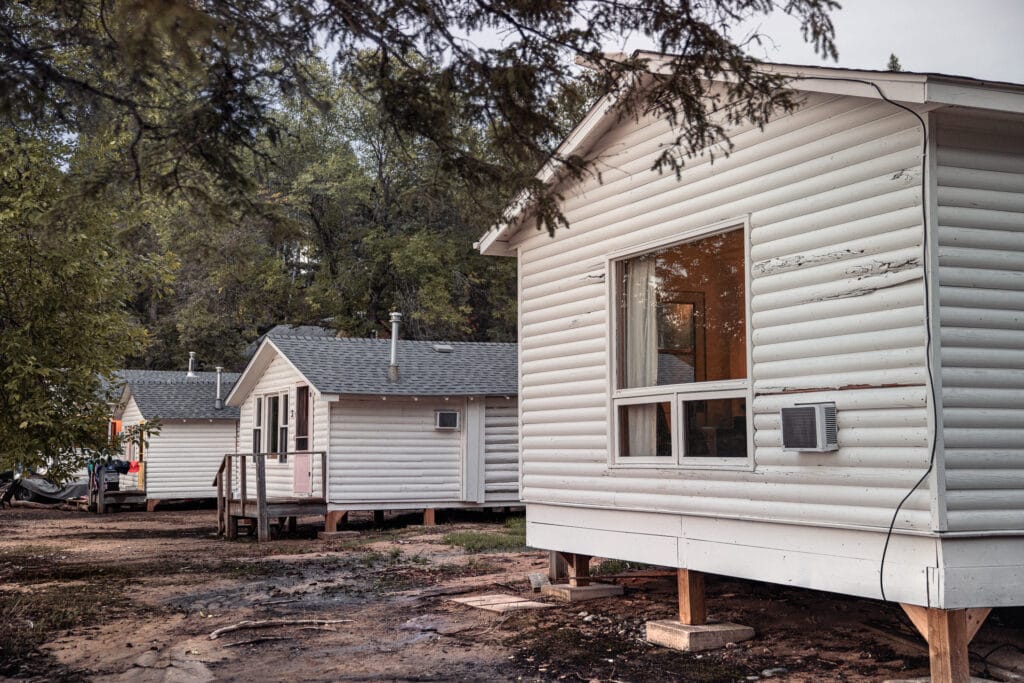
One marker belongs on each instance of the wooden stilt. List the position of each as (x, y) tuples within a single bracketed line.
[(263, 521), (334, 519), (378, 518), (558, 568), (232, 528), (151, 505), (691, 598), (428, 517), (948, 632), (579, 570), (293, 524)]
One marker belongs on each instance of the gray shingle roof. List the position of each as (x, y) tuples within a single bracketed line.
[(171, 395), (360, 366)]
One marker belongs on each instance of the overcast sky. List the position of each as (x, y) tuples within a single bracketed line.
[(978, 38)]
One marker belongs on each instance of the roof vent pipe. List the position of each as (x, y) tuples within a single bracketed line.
[(396, 320), (218, 403), (191, 364)]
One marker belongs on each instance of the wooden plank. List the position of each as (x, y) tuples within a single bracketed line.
[(975, 618), (428, 517), (692, 609), (947, 645), (579, 570), (323, 475), (558, 568), (242, 482), (918, 617), (263, 520), (333, 519), (220, 500)]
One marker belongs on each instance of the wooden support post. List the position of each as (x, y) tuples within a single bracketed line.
[(558, 568), (428, 517), (151, 505), (220, 502), (948, 632), (242, 483), (334, 519), (323, 475), (263, 521), (229, 492), (691, 598), (378, 518), (232, 528), (579, 570)]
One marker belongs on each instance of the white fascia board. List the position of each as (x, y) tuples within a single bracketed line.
[(258, 364), (495, 242), (1006, 99)]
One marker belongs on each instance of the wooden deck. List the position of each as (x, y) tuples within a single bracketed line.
[(233, 505)]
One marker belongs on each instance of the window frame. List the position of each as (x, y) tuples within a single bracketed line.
[(676, 394), (303, 409)]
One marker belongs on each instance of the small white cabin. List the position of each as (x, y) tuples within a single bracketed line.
[(826, 260), (181, 461), (439, 430)]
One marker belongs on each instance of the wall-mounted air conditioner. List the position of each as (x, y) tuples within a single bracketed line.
[(810, 427), (446, 419)]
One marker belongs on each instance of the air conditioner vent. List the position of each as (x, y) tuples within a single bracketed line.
[(446, 420), (810, 427)]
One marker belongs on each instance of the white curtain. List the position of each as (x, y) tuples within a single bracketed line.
[(642, 351)]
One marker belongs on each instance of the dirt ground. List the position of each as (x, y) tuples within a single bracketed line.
[(134, 597)]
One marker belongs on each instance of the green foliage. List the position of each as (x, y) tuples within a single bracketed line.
[(894, 63), (193, 85), (63, 328), (510, 539)]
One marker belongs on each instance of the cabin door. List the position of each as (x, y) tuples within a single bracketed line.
[(303, 476)]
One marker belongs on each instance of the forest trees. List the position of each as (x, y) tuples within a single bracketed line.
[(63, 325)]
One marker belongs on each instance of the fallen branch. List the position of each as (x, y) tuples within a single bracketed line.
[(268, 623)]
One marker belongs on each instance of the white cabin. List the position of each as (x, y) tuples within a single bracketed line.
[(825, 260), (440, 431), (181, 461)]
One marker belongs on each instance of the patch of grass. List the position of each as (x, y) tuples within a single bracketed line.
[(481, 542), (608, 567)]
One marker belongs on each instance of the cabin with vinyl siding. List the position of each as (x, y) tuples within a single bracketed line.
[(438, 429), (181, 460), (866, 252)]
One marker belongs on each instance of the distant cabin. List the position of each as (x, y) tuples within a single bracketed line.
[(438, 431), (179, 462), (849, 256)]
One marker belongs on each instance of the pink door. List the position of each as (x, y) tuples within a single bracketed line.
[(302, 481)]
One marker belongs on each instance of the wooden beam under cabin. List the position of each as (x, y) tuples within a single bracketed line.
[(692, 609)]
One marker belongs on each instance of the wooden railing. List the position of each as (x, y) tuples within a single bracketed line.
[(258, 505)]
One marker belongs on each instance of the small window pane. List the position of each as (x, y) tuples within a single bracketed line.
[(645, 431), (682, 313), (715, 428), (257, 441), (259, 412), (447, 419), (273, 416)]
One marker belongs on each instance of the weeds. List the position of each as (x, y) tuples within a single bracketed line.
[(511, 538), (609, 567)]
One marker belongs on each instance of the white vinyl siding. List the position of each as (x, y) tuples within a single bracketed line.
[(501, 450), (131, 417), (389, 452), (833, 197), (182, 461), (280, 377), (980, 179)]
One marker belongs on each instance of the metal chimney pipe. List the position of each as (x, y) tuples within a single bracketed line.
[(219, 402), (191, 364), (396, 320)]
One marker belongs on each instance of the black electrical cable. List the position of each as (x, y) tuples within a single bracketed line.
[(927, 308)]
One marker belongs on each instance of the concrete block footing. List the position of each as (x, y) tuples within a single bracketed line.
[(567, 593), (680, 636), (324, 535)]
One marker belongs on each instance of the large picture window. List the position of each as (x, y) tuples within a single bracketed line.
[(680, 336)]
